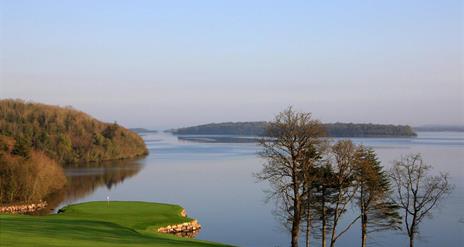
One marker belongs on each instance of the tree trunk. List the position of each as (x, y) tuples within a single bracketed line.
[(324, 223), (411, 235), (363, 235), (363, 222), (323, 233), (296, 216), (308, 228), (296, 228), (412, 230), (332, 238)]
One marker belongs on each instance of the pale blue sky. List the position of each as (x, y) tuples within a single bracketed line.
[(163, 64)]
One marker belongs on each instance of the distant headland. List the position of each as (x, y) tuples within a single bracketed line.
[(37, 140)]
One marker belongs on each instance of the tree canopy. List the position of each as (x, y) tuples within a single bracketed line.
[(65, 134)]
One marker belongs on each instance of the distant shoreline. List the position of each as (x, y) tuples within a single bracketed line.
[(439, 128), (348, 130)]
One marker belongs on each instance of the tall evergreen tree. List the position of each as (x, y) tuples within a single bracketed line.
[(377, 211), (325, 196)]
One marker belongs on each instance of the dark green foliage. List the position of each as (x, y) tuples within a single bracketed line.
[(333, 130), (22, 148), (110, 131), (324, 196), (229, 128), (64, 134), (368, 130), (377, 210)]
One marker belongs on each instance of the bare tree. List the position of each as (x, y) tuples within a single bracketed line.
[(289, 150), (417, 192), (344, 170)]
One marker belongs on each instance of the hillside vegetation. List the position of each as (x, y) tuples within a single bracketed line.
[(26, 178), (65, 134), (333, 129)]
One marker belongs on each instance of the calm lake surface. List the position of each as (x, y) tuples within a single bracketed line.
[(215, 183)]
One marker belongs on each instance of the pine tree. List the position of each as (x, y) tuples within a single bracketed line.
[(325, 195), (377, 211)]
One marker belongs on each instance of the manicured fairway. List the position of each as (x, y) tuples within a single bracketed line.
[(97, 224)]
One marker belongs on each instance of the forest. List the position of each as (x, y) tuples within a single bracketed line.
[(37, 140), (65, 134), (332, 129)]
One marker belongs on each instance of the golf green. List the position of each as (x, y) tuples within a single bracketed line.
[(119, 223)]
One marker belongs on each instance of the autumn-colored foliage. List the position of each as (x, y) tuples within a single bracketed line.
[(65, 134), (35, 139), (27, 179)]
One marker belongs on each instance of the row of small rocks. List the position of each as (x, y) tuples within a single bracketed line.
[(23, 208), (183, 229)]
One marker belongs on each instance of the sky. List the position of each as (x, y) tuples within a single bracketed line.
[(164, 64)]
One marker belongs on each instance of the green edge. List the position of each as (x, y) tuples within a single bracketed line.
[(118, 223)]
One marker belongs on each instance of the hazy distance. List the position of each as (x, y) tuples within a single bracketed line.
[(163, 64)]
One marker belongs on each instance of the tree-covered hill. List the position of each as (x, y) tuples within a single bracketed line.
[(65, 134), (333, 129)]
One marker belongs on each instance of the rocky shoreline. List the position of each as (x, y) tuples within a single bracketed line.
[(23, 208), (187, 229)]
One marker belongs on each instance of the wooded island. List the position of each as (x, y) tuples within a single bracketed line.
[(333, 129)]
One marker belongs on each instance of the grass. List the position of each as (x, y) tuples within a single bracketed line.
[(97, 224)]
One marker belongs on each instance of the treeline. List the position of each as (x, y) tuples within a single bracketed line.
[(229, 128), (65, 134), (332, 129), (142, 130), (440, 128), (316, 182), (368, 130)]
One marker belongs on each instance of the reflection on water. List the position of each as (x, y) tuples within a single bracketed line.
[(214, 183), (218, 138), (82, 181), (189, 234)]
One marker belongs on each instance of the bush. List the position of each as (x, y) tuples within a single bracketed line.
[(27, 179)]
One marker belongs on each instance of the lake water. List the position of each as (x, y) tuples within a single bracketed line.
[(215, 183)]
